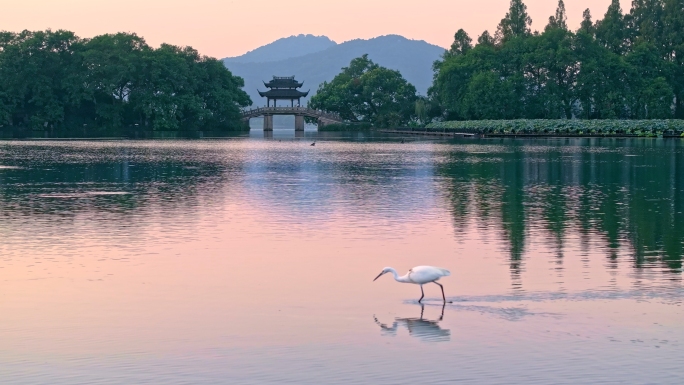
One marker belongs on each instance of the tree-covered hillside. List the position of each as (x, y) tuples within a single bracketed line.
[(413, 58), (625, 66), (58, 82)]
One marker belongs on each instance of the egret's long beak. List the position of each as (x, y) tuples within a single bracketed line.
[(379, 275)]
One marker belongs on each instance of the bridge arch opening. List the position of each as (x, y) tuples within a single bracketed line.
[(322, 117)]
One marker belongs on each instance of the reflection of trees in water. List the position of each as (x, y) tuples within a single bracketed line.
[(378, 180), (421, 328), (633, 202), (66, 180), (513, 214)]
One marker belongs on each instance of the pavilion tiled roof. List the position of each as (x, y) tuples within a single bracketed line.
[(283, 82), (283, 93)]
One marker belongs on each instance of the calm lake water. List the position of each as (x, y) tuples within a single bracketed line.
[(250, 261)]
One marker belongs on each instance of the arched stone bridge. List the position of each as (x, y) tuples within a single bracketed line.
[(299, 113)]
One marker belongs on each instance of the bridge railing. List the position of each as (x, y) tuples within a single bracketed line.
[(306, 110)]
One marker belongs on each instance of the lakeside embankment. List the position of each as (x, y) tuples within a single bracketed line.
[(673, 128), (536, 128), (561, 127)]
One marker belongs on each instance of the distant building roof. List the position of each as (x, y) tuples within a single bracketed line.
[(283, 82)]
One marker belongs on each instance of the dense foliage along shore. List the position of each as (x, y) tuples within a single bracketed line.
[(622, 66), (365, 92), (557, 81), (54, 82), (588, 81), (553, 127)]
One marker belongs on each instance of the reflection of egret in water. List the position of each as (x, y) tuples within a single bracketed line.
[(424, 329)]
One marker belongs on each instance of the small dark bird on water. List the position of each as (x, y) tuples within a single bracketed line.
[(313, 144), (402, 140)]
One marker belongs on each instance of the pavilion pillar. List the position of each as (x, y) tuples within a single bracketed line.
[(268, 122), (299, 123)]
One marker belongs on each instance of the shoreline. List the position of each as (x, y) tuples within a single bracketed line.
[(522, 135), (171, 135), (564, 127)]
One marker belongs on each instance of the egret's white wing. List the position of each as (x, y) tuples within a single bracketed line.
[(425, 274)]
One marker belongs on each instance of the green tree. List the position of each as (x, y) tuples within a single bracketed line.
[(421, 111), (113, 62), (673, 49), (453, 76), (650, 95), (55, 81), (39, 77), (601, 85), (645, 21), (461, 45), (627, 67), (552, 68), (559, 20), (601, 75), (488, 96), (611, 32), (486, 39), (367, 92), (516, 23), (587, 26)]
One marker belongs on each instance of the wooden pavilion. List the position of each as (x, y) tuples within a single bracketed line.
[(283, 88)]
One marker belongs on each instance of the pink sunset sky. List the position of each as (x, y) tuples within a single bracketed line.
[(224, 28)]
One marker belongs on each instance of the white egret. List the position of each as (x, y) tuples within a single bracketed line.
[(419, 275)]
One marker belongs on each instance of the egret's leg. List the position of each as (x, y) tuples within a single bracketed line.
[(422, 294), (442, 287)]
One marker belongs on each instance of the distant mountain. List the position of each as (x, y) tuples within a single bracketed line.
[(285, 48), (413, 58)]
